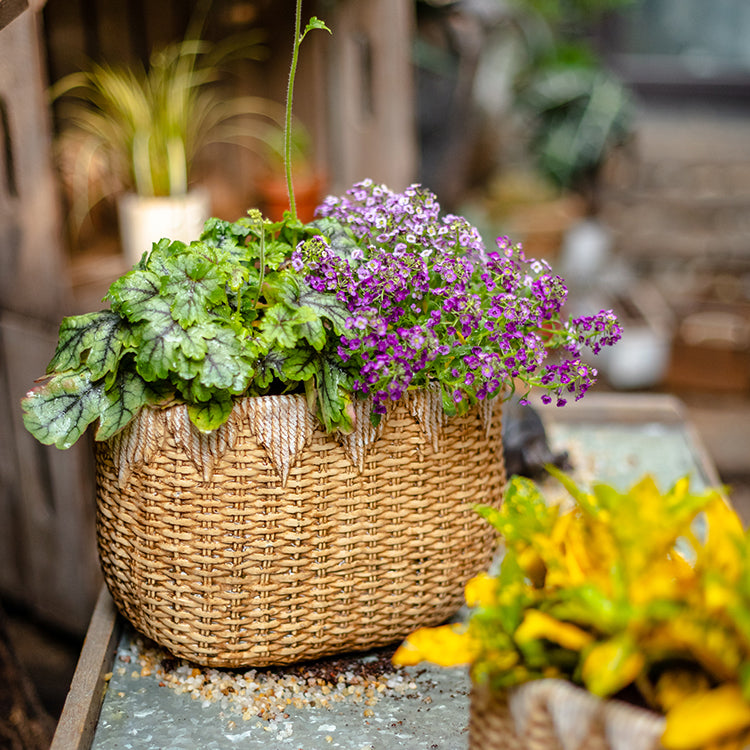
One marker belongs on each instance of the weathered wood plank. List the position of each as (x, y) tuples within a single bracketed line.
[(32, 267), (636, 408), (48, 557), (11, 9), (47, 495), (77, 725)]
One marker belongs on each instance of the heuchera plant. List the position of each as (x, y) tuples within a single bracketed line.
[(380, 294)]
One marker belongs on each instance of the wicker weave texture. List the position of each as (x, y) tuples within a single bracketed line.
[(271, 542), (555, 715)]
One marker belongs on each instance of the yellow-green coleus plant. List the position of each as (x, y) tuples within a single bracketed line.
[(623, 590)]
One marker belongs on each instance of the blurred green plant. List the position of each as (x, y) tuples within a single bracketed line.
[(577, 113), (144, 127), (575, 110)]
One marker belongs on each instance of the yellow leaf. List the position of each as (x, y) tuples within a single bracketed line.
[(709, 643), (722, 550), (706, 717), (537, 625), (480, 591), (611, 665), (446, 646)]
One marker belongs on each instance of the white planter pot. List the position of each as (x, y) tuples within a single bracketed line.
[(144, 221)]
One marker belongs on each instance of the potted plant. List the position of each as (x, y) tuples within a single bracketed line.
[(621, 620), (143, 129), (292, 419)]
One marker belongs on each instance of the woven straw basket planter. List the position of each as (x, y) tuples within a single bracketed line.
[(556, 715), (271, 542)]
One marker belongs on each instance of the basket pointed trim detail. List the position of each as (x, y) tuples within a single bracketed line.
[(426, 406), (486, 411), (137, 442), (357, 443), (283, 425), (204, 449)]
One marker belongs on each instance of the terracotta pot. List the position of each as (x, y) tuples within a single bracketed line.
[(308, 193)]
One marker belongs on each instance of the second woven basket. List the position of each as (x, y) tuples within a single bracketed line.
[(553, 714), (271, 542)]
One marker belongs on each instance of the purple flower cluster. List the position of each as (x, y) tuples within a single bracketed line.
[(428, 303)]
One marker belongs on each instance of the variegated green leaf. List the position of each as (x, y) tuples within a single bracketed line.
[(224, 366), (324, 305), (226, 235), (165, 345), (212, 414), (301, 365), (280, 327), (194, 286), (268, 368), (96, 339), (132, 295), (121, 402), (334, 396), (59, 411)]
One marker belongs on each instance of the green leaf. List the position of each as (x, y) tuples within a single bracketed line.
[(132, 295), (324, 306), (449, 405), (59, 411), (339, 236), (227, 235), (280, 327), (165, 345), (301, 365), (121, 403), (315, 23), (192, 391), (161, 252), (334, 398), (195, 286), (268, 368), (276, 252), (226, 364), (96, 339), (525, 514), (212, 414)]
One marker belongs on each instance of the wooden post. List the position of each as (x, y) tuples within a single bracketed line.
[(369, 100), (47, 544)]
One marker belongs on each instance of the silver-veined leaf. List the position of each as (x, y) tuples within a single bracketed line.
[(133, 294), (121, 402), (324, 306), (194, 286), (280, 327), (212, 414), (334, 397), (59, 411), (301, 365), (268, 368), (95, 338)]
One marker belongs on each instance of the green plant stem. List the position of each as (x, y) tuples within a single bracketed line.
[(288, 119)]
